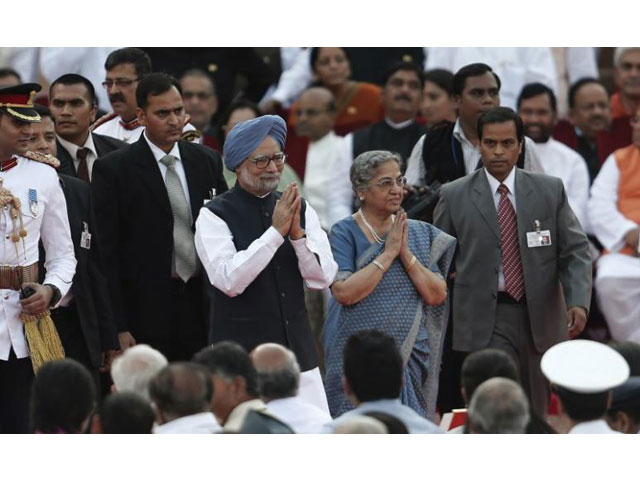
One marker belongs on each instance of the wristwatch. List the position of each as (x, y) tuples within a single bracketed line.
[(56, 294)]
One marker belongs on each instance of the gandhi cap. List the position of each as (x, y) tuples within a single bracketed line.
[(17, 101), (584, 366)]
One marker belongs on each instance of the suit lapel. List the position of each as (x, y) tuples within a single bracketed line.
[(524, 205), (67, 167), (483, 201), (148, 172), (196, 177)]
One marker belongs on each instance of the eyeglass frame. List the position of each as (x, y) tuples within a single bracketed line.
[(119, 82), (270, 159), (400, 182)]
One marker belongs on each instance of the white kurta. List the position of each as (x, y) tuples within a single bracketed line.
[(301, 416), (592, 427), (114, 128), (51, 224), (204, 422)]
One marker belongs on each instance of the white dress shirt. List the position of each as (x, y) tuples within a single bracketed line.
[(321, 159), (72, 148), (560, 161), (294, 79), (594, 426), (204, 422), (50, 224), (232, 272), (301, 416), (239, 413), (511, 185), (114, 128)]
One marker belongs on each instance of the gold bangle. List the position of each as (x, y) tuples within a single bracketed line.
[(379, 265), (412, 262)]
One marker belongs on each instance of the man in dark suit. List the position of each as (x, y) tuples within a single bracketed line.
[(523, 267), (84, 318), (147, 198), (73, 107)]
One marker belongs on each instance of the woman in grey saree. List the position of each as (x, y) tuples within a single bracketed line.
[(390, 278)]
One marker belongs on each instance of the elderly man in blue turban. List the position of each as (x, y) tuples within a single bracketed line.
[(259, 247)]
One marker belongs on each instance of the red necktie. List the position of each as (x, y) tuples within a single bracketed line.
[(83, 167), (511, 263)]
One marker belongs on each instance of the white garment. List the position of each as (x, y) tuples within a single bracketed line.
[(238, 414), (72, 148), (204, 422), (560, 161), (311, 389), (593, 426), (51, 224), (114, 128), (416, 172), (572, 64), (321, 158), (516, 66), (301, 416), (294, 79), (232, 272)]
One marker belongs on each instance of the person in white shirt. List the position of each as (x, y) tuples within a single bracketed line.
[(278, 381), (538, 110), (499, 405), (583, 374), (132, 370), (181, 393)]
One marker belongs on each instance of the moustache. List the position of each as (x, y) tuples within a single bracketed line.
[(402, 96), (116, 97)]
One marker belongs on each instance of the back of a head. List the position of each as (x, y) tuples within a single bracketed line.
[(181, 389), (631, 353), (278, 371), (393, 424), (139, 58), (373, 365), (62, 397), (360, 424), (484, 364), (229, 360), (499, 405), (132, 371), (583, 407), (126, 412)]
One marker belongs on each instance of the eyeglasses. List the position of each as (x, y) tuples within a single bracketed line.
[(387, 183), (119, 82), (263, 160)]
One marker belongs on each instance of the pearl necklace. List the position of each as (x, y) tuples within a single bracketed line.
[(374, 234)]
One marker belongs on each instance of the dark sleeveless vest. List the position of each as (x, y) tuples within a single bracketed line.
[(272, 308)]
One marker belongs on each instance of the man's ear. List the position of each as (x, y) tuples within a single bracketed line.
[(142, 118), (96, 426)]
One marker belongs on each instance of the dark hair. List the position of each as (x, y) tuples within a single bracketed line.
[(471, 70), (126, 412), (154, 84), (181, 389), (140, 60), (373, 365), (8, 72), (75, 79), (198, 72), (577, 85), (393, 424), (229, 359), (236, 105), (62, 397), (282, 383), (42, 110), (631, 353), (582, 407), (408, 66), (315, 52), (501, 115), (442, 78), (531, 90), (484, 364)]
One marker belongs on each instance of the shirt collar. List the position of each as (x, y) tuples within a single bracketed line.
[(324, 140), (158, 153), (459, 135), (398, 126), (72, 148), (197, 421), (510, 181), (592, 426)]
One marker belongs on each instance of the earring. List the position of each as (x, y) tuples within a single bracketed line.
[(361, 198)]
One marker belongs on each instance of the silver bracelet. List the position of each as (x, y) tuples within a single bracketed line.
[(379, 265)]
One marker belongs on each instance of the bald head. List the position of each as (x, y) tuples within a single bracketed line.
[(315, 113), (278, 371)]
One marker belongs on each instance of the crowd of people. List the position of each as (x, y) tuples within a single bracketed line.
[(361, 240)]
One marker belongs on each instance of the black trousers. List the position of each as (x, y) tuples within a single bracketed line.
[(16, 376)]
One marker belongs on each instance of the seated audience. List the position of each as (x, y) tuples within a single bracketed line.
[(626, 101), (623, 414), (499, 405), (392, 424), (135, 367), (361, 424), (125, 412), (437, 102)]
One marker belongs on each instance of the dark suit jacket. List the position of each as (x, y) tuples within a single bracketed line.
[(135, 219), (467, 211), (89, 288), (103, 143)]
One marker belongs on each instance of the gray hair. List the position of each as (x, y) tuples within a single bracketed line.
[(619, 51), (499, 405), (366, 165), (133, 370), (360, 424), (280, 383)]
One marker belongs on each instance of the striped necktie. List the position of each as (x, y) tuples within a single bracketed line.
[(511, 262)]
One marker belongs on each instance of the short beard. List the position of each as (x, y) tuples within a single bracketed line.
[(262, 187)]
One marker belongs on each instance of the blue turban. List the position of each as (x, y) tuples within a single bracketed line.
[(246, 136)]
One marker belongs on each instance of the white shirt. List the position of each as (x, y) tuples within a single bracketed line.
[(510, 183), (321, 158), (50, 224), (114, 128), (516, 66), (561, 161), (232, 272), (594, 426), (301, 416), (72, 148), (294, 79), (238, 414), (204, 422), (609, 225)]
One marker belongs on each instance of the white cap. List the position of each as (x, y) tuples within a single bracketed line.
[(584, 366)]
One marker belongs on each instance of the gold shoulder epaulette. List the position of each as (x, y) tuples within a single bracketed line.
[(191, 135), (42, 158), (103, 119)]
